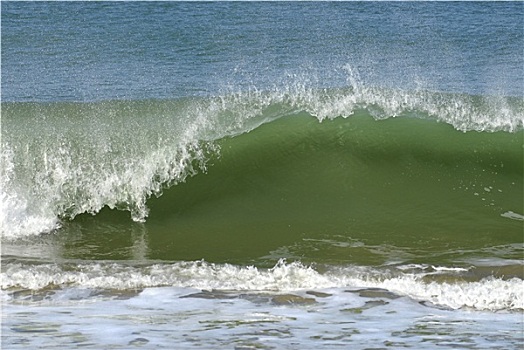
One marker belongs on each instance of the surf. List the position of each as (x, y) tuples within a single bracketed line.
[(120, 154), (493, 294)]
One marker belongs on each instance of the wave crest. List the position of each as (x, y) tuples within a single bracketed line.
[(487, 294)]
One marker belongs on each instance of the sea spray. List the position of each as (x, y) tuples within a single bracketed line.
[(104, 155)]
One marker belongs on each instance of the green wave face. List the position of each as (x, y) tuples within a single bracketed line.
[(401, 183), (254, 178)]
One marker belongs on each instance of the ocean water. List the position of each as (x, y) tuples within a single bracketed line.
[(262, 175)]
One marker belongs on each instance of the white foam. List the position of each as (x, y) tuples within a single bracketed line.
[(82, 173), (159, 316), (486, 294), (17, 217), (513, 216), (431, 269)]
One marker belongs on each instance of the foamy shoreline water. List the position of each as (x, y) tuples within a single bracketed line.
[(161, 317)]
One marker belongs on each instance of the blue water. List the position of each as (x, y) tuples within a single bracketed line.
[(262, 175), (97, 51)]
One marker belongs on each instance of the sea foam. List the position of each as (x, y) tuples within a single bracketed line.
[(487, 294)]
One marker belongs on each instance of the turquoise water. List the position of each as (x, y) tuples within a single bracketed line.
[(262, 175)]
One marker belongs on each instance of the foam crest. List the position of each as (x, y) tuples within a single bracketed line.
[(106, 155), (184, 274), (304, 92), (463, 112), (64, 186), (486, 294), (17, 217)]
